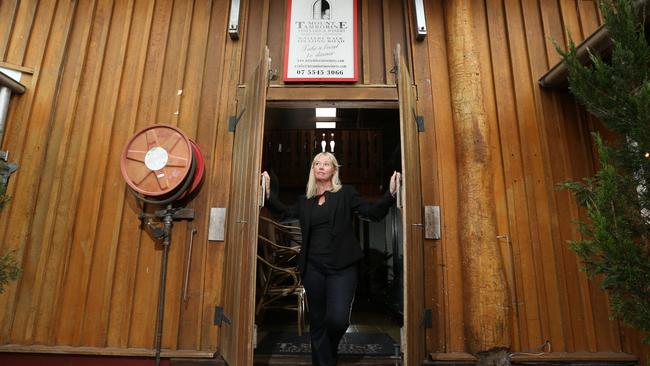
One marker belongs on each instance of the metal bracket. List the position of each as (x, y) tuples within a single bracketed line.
[(220, 316), (233, 121), (427, 318), (183, 213), (432, 222), (233, 24), (420, 20), (273, 74), (156, 228), (419, 121)]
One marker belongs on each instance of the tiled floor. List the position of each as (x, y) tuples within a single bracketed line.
[(368, 321), (363, 320)]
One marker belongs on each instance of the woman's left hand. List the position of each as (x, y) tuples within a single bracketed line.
[(393, 182)]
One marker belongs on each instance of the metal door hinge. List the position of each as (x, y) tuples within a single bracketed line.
[(419, 121), (234, 120), (427, 318), (220, 316)]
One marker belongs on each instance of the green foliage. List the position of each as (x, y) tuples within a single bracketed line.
[(615, 247), (9, 270), (4, 198)]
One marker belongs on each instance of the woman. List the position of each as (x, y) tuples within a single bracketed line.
[(328, 261)]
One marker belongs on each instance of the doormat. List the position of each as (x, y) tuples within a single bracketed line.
[(362, 343)]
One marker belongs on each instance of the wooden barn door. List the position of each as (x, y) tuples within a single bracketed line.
[(236, 337), (410, 205)]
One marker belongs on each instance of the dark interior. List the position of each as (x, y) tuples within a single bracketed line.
[(367, 146)]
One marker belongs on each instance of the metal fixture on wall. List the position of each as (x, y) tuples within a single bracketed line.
[(420, 20), (233, 23), (163, 167), (8, 86)]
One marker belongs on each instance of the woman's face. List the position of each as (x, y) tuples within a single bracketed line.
[(323, 169)]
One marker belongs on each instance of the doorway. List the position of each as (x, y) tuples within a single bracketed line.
[(236, 337), (366, 143)]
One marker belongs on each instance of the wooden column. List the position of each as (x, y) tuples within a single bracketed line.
[(486, 302)]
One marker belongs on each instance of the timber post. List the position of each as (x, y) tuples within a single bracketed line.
[(486, 306)]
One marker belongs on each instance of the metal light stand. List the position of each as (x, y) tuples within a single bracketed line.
[(168, 216)]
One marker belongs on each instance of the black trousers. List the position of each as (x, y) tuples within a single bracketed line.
[(330, 293)]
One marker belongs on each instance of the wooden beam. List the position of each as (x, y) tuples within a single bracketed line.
[(487, 304), (332, 93), (103, 351), (576, 356)]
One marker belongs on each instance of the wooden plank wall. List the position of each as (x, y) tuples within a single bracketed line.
[(540, 137), (96, 72)]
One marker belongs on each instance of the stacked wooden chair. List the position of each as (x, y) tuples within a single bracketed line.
[(278, 277)]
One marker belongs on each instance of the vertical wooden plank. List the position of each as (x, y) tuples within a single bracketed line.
[(37, 246), (220, 176), (108, 138), (14, 136), (506, 113), (564, 206), (411, 213), (395, 29), (169, 111), (487, 307), (579, 166), (200, 87), (388, 45), (451, 325), (17, 136), (530, 255), (589, 19), (546, 207), (29, 142), (365, 42), (23, 22), (429, 168), (239, 290), (255, 41), (552, 23), (57, 225), (142, 325), (582, 302), (75, 288), (378, 64), (8, 11), (484, 29), (572, 28), (275, 36), (127, 239)]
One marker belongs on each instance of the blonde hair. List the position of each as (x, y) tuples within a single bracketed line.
[(312, 189)]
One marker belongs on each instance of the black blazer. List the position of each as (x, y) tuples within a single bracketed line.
[(346, 202)]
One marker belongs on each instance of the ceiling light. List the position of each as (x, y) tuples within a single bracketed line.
[(325, 112), (326, 125)]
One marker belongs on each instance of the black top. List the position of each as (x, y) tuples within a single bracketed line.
[(345, 248), (320, 242)]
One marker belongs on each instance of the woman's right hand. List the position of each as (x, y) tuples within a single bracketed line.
[(267, 178)]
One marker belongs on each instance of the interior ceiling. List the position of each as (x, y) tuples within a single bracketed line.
[(348, 118)]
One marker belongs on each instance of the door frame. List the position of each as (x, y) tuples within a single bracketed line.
[(345, 96), (353, 96)]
